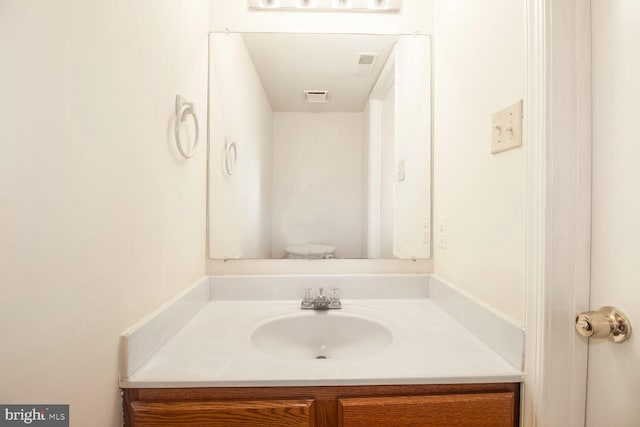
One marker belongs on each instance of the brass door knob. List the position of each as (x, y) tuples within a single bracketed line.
[(606, 322)]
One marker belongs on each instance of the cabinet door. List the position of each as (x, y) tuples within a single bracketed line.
[(456, 410), (276, 413)]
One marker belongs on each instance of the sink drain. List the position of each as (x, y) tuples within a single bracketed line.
[(321, 357)]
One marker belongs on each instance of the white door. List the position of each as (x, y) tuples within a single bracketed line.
[(613, 390)]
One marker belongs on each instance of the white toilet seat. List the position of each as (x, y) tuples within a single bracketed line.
[(309, 251)]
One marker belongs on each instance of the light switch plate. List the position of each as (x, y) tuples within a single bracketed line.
[(425, 230), (401, 171), (507, 128)]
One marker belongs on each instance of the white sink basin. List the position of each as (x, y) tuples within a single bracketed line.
[(321, 335)]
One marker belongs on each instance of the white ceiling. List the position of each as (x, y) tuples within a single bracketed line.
[(289, 64)]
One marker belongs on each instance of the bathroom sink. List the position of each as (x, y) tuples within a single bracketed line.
[(321, 335)]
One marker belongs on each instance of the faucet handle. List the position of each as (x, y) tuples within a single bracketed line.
[(334, 298), (307, 298), (307, 294)]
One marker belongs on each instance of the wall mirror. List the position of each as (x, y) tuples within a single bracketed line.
[(319, 146)]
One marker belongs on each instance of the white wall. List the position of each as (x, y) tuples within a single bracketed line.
[(416, 15), (317, 187), (101, 221), (400, 110), (412, 196), (479, 60), (364, 180), (240, 204), (387, 173)]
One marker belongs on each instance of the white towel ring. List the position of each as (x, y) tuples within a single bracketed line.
[(184, 109), (230, 155)]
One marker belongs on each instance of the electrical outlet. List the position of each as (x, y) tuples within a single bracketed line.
[(442, 232), (507, 128)]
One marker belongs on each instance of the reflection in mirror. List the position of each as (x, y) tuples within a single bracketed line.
[(319, 146)]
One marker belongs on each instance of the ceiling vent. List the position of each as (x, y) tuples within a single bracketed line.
[(366, 62), (316, 95)]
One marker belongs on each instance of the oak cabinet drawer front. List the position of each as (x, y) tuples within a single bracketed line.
[(456, 410), (271, 413)]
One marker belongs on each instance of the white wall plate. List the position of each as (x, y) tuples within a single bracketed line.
[(507, 128)]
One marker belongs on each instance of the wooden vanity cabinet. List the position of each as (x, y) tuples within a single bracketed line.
[(460, 410), (283, 413), (456, 405)]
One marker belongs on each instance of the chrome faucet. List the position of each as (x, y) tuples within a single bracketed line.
[(321, 302)]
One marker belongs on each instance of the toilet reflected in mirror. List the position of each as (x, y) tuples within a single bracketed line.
[(332, 146), (309, 251)]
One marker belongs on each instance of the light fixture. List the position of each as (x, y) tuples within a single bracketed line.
[(378, 4), (326, 5), (342, 4), (269, 4), (306, 4)]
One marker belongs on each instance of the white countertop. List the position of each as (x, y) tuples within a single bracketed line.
[(429, 346)]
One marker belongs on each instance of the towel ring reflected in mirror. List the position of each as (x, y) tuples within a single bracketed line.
[(183, 110)]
